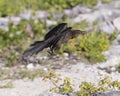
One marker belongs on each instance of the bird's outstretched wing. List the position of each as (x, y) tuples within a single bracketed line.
[(56, 43), (56, 30)]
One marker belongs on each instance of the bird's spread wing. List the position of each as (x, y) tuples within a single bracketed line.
[(58, 29), (59, 39)]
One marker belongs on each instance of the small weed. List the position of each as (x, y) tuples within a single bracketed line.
[(23, 73), (8, 85), (113, 36), (82, 25), (118, 67), (107, 1), (88, 3), (20, 73), (53, 77), (4, 74), (95, 22)]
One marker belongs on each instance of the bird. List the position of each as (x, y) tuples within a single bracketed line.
[(53, 39)]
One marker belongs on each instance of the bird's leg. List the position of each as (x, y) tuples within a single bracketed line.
[(51, 52)]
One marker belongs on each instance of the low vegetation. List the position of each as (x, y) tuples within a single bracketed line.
[(118, 67), (7, 85), (15, 40), (85, 88), (20, 73), (7, 8)]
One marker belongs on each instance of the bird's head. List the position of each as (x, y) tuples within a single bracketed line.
[(76, 33)]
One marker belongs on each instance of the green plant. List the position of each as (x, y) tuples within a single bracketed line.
[(82, 25), (107, 1), (65, 87), (13, 36), (3, 74), (88, 3), (38, 27), (103, 85), (20, 73), (53, 77), (8, 85), (30, 74), (12, 59), (16, 38), (85, 88), (118, 67), (7, 8), (90, 46), (113, 36)]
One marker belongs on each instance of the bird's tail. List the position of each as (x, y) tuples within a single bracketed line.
[(35, 48)]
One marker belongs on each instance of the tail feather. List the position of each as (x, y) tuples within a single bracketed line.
[(36, 42), (35, 48)]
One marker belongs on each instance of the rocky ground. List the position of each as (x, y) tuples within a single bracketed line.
[(108, 16)]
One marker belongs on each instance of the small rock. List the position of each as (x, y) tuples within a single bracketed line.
[(14, 19), (118, 39), (33, 60), (41, 14), (50, 22), (66, 54), (26, 15), (41, 95), (45, 69), (55, 94), (4, 20), (4, 23), (42, 57), (88, 17), (1, 63), (70, 94), (30, 66), (61, 94), (79, 9), (112, 93), (116, 23), (29, 30), (22, 66), (108, 28), (116, 4), (99, 94)]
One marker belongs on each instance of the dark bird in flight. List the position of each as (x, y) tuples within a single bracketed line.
[(53, 39)]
